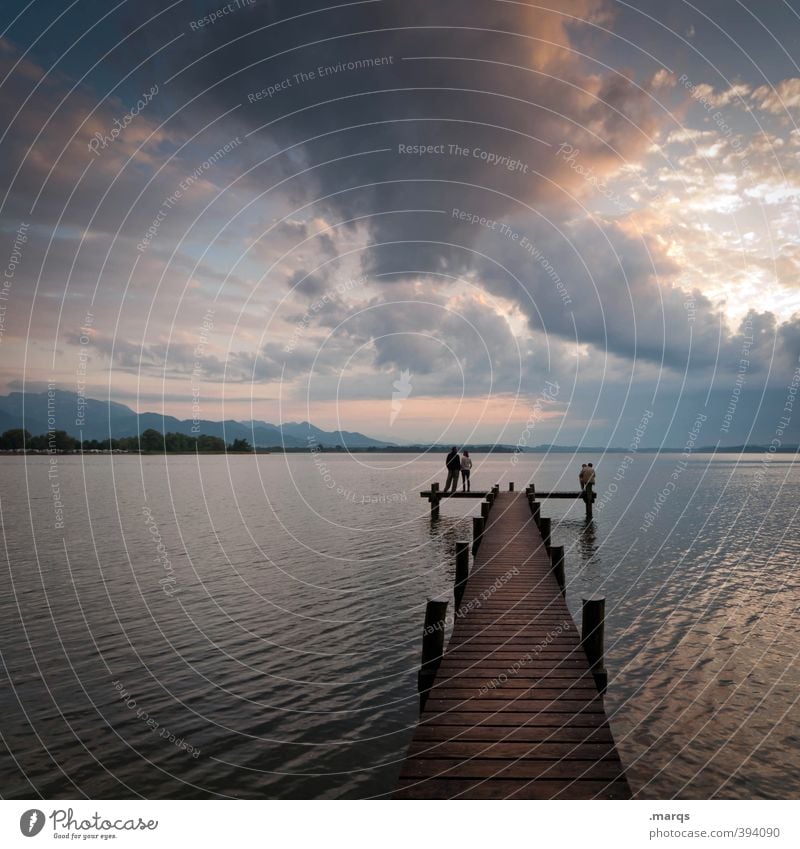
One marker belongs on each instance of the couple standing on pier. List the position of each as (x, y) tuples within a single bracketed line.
[(456, 464), (587, 479)]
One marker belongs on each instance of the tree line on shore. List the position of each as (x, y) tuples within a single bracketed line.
[(149, 441)]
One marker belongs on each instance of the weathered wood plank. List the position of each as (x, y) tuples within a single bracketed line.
[(479, 768), (515, 719), (550, 751), (523, 734), (498, 788)]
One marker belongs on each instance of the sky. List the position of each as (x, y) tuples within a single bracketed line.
[(445, 221)]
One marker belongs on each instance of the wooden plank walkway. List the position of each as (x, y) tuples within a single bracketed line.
[(514, 711)]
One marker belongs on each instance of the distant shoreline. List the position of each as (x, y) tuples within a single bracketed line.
[(416, 449)]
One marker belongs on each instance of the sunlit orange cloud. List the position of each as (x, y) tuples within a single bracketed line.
[(551, 51), (63, 128)]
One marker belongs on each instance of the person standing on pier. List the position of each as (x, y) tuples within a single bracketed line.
[(453, 463), (466, 468)]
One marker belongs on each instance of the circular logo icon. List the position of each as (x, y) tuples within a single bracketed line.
[(31, 822)]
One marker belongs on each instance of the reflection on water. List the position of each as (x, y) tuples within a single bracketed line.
[(264, 626), (586, 534)]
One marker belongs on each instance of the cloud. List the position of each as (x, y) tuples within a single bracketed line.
[(305, 283), (46, 147), (150, 359), (734, 94), (778, 99), (482, 98), (663, 79)]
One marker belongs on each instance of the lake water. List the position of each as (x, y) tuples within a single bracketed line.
[(250, 627)]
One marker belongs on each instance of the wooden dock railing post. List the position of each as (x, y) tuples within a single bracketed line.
[(557, 561), (511, 486), (485, 507), (536, 510), (496, 489), (477, 533), (589, 495), (544, 527), (434, 500), (432, 645), (462, 571), (592, 637)]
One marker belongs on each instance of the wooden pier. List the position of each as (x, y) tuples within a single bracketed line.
[(512, 708), (435, 495)]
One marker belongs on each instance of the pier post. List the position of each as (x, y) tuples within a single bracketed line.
[(544, 527), (557, 561), (589, 495), (592, 637), (536, 509), (496, 489), (485, 507), (434, 500), (511, 486), (490, 497), (462, 571), (477, 532), (432, 645)]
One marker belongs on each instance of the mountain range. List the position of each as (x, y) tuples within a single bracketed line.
[(104, 419), (93, 419)]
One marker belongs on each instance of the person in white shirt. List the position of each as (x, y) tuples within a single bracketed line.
[(466, 468)]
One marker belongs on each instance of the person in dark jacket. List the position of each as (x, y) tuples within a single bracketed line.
[(453, 463)]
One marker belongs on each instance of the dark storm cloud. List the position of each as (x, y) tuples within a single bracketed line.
[(504, 87), (596, 282), (492, 110), (453, 345)]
